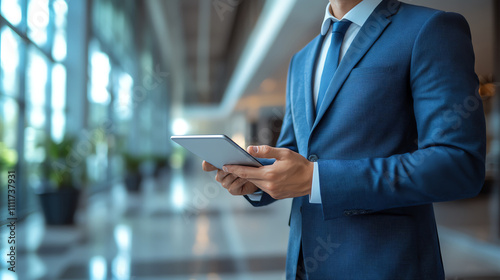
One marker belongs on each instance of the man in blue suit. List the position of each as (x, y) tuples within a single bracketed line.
[(383, 118)]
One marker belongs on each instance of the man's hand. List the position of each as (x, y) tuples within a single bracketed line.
[(234, 184), (289, 176)]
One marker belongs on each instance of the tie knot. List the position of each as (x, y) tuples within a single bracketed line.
[(341, 26)]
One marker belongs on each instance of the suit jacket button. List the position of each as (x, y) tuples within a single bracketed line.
[(313, 158)]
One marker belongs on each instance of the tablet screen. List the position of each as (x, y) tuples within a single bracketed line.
[(218, 150)]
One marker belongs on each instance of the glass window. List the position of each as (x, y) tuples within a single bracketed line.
[(11, 10), (35, 136), (9, 114), (59, 47), (58, 102), (38, 20), (10, 47), (123, 99), (100, 69), (60, 11), (36, 84), (24, 66)]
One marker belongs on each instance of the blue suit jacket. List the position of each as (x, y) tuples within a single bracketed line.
[(401, 127)]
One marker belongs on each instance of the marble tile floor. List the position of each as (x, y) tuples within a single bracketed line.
[(186, 227)]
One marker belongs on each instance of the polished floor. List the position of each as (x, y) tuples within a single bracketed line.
[(186, 227)]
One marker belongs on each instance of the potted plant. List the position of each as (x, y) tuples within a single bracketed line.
[(8, 160), (133, 175), (8, 157), (161, 163), (64, 176)]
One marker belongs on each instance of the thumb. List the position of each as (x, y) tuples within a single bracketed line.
[(265, 151)]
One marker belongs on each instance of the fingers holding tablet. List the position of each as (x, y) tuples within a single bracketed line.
[(208, 167), (220, 150), (234, 184)]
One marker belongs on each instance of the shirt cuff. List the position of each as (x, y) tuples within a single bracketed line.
[(256, 196), (315, 196)]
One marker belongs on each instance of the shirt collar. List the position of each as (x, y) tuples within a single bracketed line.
[(357, 15)]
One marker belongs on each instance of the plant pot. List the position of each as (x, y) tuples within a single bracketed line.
[(59, 207), (133, 181)]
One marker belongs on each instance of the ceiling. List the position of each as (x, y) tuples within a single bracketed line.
[(220, 51)]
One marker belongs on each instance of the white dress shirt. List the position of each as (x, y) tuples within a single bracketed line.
[(358, 16)]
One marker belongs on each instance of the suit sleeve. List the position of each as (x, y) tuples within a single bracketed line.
[(449, 161), (286, 139)]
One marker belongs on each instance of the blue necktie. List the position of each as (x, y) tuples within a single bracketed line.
[(339, 29)]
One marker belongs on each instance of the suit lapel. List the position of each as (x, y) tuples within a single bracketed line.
[(368, 34), (310, 69)]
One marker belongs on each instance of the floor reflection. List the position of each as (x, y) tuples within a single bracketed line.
[(121, 263), (178, 189), (98, 269)]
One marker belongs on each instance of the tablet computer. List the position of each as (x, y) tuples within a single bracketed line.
[(218, 150)]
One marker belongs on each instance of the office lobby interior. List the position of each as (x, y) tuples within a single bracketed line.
[(91, 92)]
